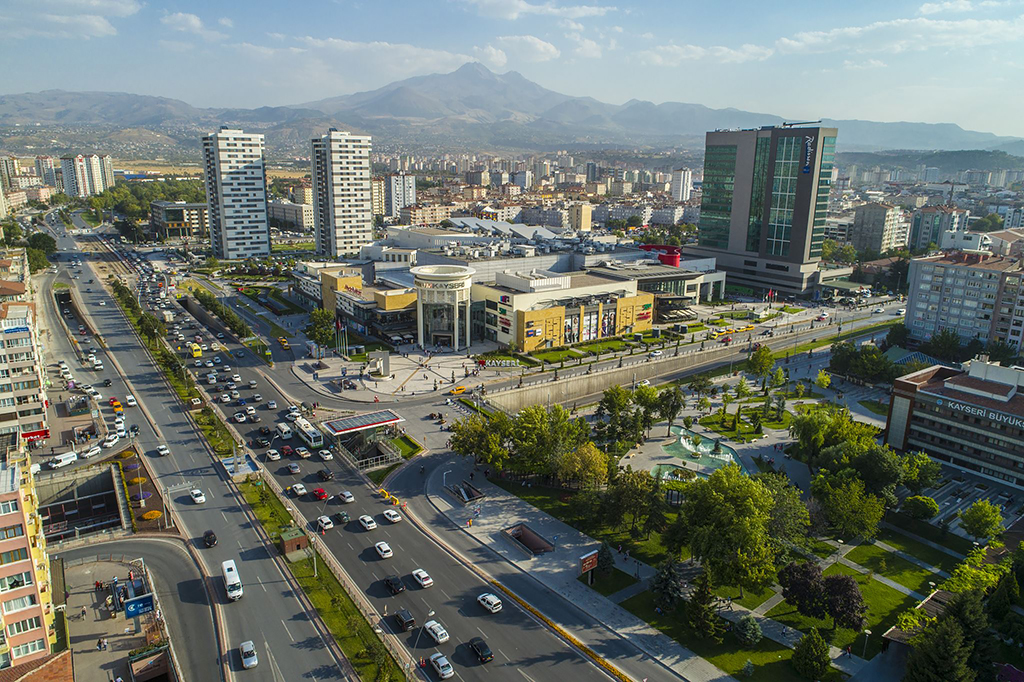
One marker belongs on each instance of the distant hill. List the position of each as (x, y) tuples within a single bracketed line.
[(948, 162), (470, 106)]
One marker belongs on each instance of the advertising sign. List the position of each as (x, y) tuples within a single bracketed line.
[(140, 605), (588, 562)]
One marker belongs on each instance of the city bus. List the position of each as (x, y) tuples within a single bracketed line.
[(309, 434), (197, 352)]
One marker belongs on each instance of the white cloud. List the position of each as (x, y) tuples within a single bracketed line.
[(491, 55), (513, 9), (190, 23), (226, 22), (617, 29), (528, 48), (949, 6), (904, 35), (585, 47), (674, 55), (77, 19), (866, 64), (570, 25)]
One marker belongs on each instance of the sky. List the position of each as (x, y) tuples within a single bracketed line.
[(951, 61)]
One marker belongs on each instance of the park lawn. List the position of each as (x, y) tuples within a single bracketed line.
[(896, 568), (744, 434), (604, 346), (819, 547), (691, 328), (611, 583), (555, 502), (790, 309), (771, 422), (217, 435), (931, 532), (297, 246), (771, 659), (61, 285), (556, 356), (919, 550), (368, 348), (90, 217), (883, 602), (830, 338), (378, 475), (876, 406), (751, 599), (339, 613), (720, 323), (736, 314), (406, 446), (808, 395)]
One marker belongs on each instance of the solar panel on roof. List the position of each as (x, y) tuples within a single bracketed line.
[(359, 422)]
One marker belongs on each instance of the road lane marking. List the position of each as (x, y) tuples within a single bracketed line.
[(260, 581), (525, 675), (447, 596), (503, 654), (285, 626), (482, 633)]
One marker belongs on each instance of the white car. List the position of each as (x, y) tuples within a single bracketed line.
[(291, 416), (239, 417), (299, 489), (292, 408), (367, 522), (197, 496), (324, 523), (392, 516), (252, 383), (384, 550), (236, 378), (235, 395), (130, 401), (197, 363), (346, 496), (654, 354), (225, 398), (325, 455), (441, 666), (250, 410), (119, 418), (490, 602), (879, 310), (256, 397), (111, 440), (273, 455), (162, 450), (209, 363), (436, 631), (302, 453), (421, 576), (91, 452), (121, 433), (901, 311), (248, 653), (272, 405), (217, 360)]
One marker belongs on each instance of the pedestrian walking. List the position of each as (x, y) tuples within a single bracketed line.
[(104, 642), (99, 644), (849, 651), (84, 611)]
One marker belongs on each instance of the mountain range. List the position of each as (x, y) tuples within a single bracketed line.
[(469, 106)]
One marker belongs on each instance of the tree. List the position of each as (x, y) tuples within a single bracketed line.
[(945, 345), (605, 559), (585, 509), (850, 509), (701, 615), (656, 517), (322, 323), (748, 669), (36, 260), (920, 471), (787, 517), (743, 388), (921, 507), (778, 379), (486, 440), (828, 249), (700, 384), (1001, 352), (42, 242), (990, 223), (670, 403), (646, 400), (982, 520), (703, 404), (811, 656), (586, 465), (667, 584), (748, 631), (760, 363), (898, 336), (940, 654), (823, 380), (843, 601), (1004, 597), (615, 422), (968, 610), (802, 587), (879, 467), (726, 518), (12, 233), (631, 490), (799, 390)]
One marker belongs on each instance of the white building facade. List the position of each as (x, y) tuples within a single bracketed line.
[(399, 192), (682, 183), (236, 194), (342, 205)]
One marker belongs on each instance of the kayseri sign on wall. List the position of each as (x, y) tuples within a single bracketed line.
[(985, 413)]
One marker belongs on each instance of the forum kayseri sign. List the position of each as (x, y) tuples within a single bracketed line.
[(991, 415)]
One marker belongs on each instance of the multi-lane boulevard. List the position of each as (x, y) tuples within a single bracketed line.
[(271, 613)]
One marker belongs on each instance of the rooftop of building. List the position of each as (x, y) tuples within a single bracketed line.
[(10, 477), (941, 208), (965, 386), (983, 260), (186, 204), (1008, 235), (644, 270), (8, 288)]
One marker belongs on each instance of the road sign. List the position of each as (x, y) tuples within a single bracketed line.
[(139, 605), (588, 562)]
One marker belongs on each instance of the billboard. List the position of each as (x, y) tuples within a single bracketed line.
[(139, 605), (588, 562)]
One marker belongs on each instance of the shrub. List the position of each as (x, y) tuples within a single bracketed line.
[(152, 515), (810, 656), (127, 454), (145, 495), (920, 507), (748, 630), (138, 480)]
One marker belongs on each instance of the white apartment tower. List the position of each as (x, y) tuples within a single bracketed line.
[(46, 170), (342, 208), (682, 181), (399, 192), (86, 175), (236, 194)]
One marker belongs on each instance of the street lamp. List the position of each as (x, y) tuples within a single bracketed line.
[(867, 633), (430, 614)]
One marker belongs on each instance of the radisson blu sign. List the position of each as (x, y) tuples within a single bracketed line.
[(991, 415)]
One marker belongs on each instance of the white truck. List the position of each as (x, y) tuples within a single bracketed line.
[(168, 316), (232, 583)]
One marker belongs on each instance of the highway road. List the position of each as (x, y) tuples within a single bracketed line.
[(271, 614), (178, 585)]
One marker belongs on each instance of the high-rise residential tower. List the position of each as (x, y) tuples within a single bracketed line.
[(399, 192), (342, 203), (236, 194), (86, 175), (46, 170), (682, 181), (765, 196)]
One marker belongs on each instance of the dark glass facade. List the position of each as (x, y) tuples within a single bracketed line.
[(762, 154), (716, 202)]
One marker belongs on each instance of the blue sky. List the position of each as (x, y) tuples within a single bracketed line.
[(958, 61)]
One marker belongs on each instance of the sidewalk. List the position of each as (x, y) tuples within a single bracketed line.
[(559, 569)]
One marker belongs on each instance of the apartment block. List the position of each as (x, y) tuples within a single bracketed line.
[(301, 216), (682, 184), (425, 214), (929, 222), (877, 226), (580, 216), (236, 194), (399, 192), (179, 220), (377, 195), (86, 175), (342, 218), (302, 194)]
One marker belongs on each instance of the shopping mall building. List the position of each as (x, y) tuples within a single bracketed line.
[(971, 418)]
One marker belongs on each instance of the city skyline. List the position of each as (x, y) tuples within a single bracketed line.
[(836, 65)]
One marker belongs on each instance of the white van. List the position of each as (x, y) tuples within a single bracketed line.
[(63, 460), (232, 583), (284, 431)]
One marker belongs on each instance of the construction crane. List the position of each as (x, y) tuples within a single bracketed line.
[(952, 186), (799, 123)]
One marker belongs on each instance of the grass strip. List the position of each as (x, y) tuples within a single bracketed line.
[(875, 406), (893, 567), (610, 583), (406, 446)]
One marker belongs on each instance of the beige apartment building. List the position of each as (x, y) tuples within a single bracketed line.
[(425, 214)]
